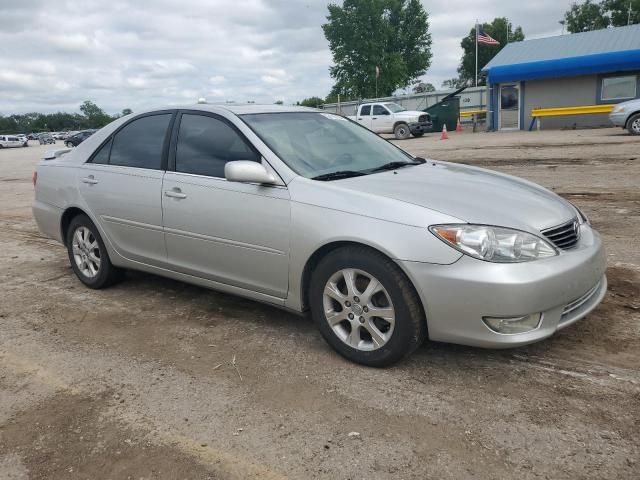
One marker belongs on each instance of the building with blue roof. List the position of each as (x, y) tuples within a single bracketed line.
[(600, 67)]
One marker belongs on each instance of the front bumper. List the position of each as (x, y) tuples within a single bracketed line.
[(420, 127), (619, 119), (564, 289)]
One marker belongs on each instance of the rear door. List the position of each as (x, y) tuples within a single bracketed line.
[(229, 232), (364, 116), (122, 185)]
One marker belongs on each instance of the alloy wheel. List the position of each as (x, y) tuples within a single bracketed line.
[(86, 252), (359, 309), (635, 126)]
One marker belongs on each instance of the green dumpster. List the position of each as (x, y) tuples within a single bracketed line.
[(446, 111)]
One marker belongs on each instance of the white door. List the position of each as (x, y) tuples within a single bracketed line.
[(381, 120), (364, 116), (509, 106)]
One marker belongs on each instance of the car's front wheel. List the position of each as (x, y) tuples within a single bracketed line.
[(88, 255), (69, 144), (634, 124), (401, 131), (365, 307)]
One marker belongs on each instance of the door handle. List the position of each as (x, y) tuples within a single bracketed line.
[(89, 180), (374, 118), (175, 193), (360, 118)]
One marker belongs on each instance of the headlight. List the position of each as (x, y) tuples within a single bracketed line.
[(618, 109), (494, 244)]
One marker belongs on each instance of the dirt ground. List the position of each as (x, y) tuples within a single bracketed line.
[(139, 382)]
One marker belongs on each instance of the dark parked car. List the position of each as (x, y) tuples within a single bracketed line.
[(78, 138), (46, 138)]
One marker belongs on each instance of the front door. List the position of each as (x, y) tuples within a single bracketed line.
[(228, 232), (122, 184), (381, 120), (509, 107)]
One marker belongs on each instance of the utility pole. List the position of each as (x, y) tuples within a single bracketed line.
[(629, 15), (476, 52)]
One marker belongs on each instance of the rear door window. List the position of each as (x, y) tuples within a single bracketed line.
[(365, 110)]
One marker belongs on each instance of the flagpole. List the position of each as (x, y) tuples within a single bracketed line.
[(476, 52)]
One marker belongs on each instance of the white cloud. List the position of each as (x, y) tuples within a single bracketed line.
[(122, 53)]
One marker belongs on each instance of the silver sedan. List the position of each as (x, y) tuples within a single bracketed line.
[(311, 212)]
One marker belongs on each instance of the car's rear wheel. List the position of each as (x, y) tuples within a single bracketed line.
[(365, 307), (401, 131), (69, 144), (634, 124), (88, 255)]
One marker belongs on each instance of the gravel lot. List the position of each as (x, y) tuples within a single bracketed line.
[(138, 381)]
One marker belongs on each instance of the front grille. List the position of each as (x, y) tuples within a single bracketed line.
[(423, 118), (578, 302), (564, 236)]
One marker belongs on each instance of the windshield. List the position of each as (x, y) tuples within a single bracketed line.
[(394, 107), (313, 144)]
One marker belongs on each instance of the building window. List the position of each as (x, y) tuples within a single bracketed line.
[(618, 88)]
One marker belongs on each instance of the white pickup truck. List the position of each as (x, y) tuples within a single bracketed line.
[(388, 117)]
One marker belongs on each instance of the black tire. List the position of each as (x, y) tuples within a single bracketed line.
[(418, 135), (107, 274), (68, 145), (401, 131), (633, 125), (410, 328)]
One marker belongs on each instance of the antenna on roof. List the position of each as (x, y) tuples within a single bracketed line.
[(202, 100)]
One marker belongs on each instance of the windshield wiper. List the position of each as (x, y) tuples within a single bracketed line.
[(338, 175), (392, 166)]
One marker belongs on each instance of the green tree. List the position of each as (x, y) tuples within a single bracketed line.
[(311, 102), (391, 36), (95, 116), (453, 84), (127, 111), (500, 28), (590, 15), (423, 87), (278, 102)]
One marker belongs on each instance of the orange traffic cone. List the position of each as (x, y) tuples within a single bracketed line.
[(445, 135), (459, 126)]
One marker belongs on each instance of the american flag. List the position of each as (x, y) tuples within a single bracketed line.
[(485, 38)]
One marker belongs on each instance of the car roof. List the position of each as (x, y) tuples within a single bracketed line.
[(238, 108)]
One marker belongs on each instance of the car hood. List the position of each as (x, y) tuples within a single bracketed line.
[(472, 194), (409, 114)]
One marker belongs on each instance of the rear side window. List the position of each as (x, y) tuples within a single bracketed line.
[(206, 144), (365, 110), (139, 144), (102, 156)]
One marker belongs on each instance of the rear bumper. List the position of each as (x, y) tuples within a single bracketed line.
[(618, 119), (48, 218), (564, 289), (420, 127)]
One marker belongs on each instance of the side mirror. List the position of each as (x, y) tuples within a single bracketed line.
[(246, 171)]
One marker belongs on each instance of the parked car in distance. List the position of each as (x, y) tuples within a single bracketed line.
[(12, 141), (309, 211), (59, 135), (23, 138), (78, 138), (32, 136), (388, 117), (46, 139), (627, 115)]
